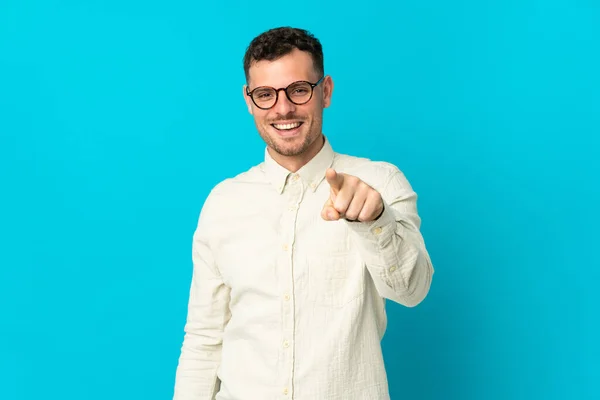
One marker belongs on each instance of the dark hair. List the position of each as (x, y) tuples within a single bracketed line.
[(278, 42)]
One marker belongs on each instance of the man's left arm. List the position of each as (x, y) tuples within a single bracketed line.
[(392, 245)]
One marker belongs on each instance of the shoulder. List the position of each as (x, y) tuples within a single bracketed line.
[(231, 189), (239, 182)]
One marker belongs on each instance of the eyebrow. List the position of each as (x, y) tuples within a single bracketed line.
[(281, 87)]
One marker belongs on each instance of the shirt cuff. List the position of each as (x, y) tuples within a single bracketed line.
[(383, 247), (375, 236)]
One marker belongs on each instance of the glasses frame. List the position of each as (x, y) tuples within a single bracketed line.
[(285, 90)]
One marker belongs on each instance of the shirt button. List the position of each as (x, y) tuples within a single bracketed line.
[(393, 268), (286, 297), (285, 391), (286, 344), (295, 177), (285, 247), (377, 230), (312, 186)]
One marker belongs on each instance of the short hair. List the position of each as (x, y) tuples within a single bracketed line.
[(278, 42)]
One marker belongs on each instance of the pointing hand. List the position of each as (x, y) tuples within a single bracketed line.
[(350, 198)]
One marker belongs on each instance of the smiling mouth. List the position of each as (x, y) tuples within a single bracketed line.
[(287, 127)]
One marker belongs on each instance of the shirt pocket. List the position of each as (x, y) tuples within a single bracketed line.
[(335, 279)]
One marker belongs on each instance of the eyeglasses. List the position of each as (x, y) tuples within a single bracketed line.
[(299, 92)]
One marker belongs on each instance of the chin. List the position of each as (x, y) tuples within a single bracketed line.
[(289, 147)]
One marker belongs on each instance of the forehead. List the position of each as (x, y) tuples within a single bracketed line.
[(295, 66)]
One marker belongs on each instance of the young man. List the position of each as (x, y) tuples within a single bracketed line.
[(294, 258)]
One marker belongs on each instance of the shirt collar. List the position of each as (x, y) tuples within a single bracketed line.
[(312, 173)]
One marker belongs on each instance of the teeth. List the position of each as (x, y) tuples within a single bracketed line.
[(287, 126)]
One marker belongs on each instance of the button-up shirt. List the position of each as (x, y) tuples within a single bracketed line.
[(286, 305)]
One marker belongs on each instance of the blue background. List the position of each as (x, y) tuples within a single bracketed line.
[(117, 118)]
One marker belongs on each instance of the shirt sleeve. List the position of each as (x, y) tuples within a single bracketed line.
[(208, 313), (392, 246)]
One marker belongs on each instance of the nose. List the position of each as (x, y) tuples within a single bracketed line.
[(283, 106)]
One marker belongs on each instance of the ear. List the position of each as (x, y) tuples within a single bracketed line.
[(327, 91), (247, 99)]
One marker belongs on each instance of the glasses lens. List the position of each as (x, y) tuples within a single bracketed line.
[(299, 92), (264, 97)]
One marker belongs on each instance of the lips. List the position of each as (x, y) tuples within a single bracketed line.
[(287, 129), (287, 126)]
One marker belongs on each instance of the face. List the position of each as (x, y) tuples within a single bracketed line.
[(289, 130)]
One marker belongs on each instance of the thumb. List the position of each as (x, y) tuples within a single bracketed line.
[(335, 179), (329, 213)]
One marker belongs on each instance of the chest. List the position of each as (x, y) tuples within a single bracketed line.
[(273, 238)]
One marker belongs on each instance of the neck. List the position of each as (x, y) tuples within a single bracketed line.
[(294, 163)]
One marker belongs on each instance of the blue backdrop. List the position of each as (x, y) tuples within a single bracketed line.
[(118, 117)]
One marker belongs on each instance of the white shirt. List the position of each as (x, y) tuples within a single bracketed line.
[(286, 305)]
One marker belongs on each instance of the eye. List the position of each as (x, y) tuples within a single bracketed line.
[(263, 95), (299, 90)]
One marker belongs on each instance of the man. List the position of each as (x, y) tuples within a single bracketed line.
[(294, 258)]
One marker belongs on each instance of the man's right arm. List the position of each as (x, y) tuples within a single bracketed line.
[(208, 313)]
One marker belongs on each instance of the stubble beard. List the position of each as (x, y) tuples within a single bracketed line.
[(286, 147)]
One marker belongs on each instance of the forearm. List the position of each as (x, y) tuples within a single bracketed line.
[(196, 376), (394, 252)]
